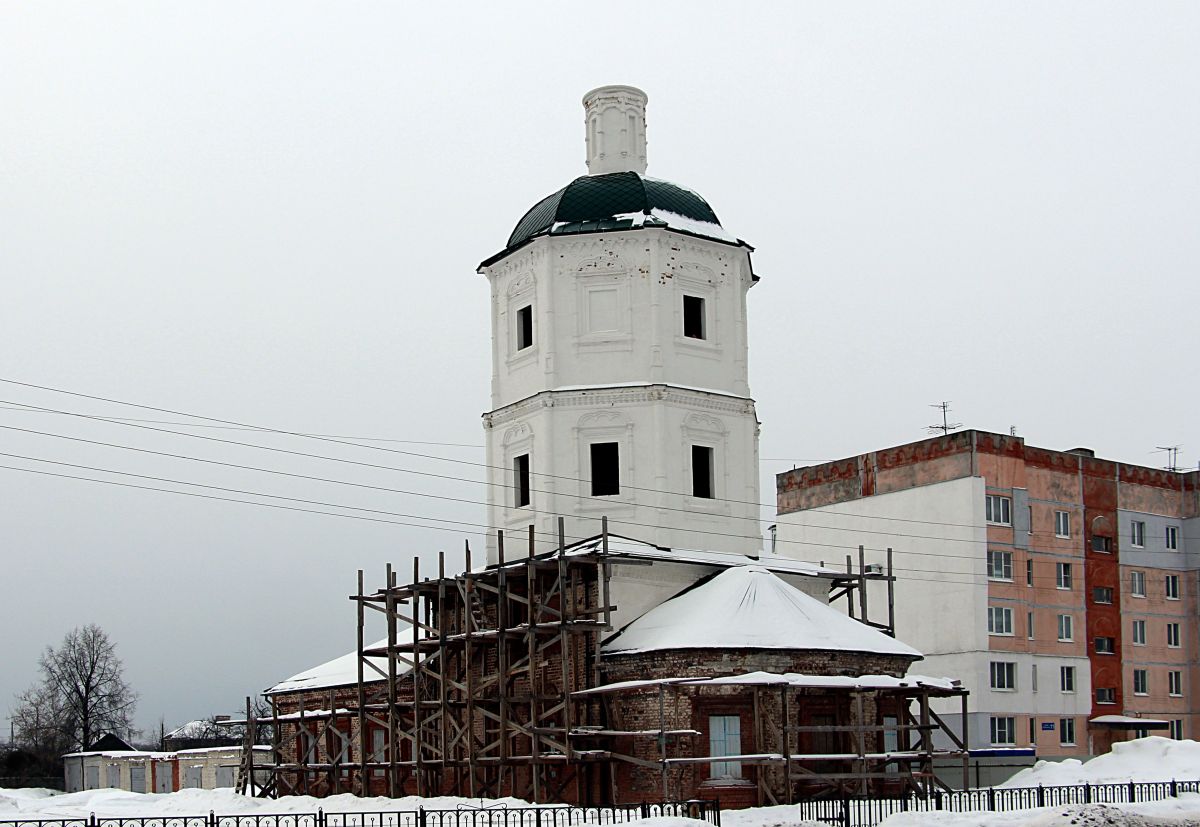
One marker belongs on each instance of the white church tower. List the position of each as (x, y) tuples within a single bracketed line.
[(619, 358)]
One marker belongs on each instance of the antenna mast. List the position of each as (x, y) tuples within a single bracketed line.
[(946, 425)]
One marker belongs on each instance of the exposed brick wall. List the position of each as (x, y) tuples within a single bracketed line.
[(691, 709)]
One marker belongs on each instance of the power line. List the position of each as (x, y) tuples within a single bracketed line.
[(357, 445), (972, 578), (757, 521), (416, 454), (22, 408), (460, 479)]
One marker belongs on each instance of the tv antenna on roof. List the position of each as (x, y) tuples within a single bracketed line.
[(1172, 452), (947, 426)]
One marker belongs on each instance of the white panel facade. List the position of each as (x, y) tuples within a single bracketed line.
[(938, 535)]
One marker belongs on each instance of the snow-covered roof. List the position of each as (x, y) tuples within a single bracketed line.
[(789, 679), (1130, 721), (638, 549), (197, 729), (341, 671), (749, 607)]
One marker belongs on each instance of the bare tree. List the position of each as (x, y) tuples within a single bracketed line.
[(82, 693)]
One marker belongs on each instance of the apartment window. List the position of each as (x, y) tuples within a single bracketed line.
[(1103, 544), (521, 480), (1004, 730), (1139, 633), (1106, 695), (606, 469), (1066, 628), (1066, 732), (1141, 682), (1172, 538), (1062, 524), (999, 509), (1062, 575), (1177, 729), (1175, 683), (1137, 534), (525, 327), (1171, 587), (1000, 565), (1137, 583), (1033, 679), (725, 738), (693, 317), (1105, 646), (1033, 731), (1004, 676), (1029, 572), (1102, 594), (1000, 620), (1029, 625), (1066, 678), (702, 471), (1173, 635)]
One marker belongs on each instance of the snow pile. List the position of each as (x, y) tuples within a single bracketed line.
[(1144, 759)]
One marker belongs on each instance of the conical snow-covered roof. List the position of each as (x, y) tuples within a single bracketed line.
[(748, 607)]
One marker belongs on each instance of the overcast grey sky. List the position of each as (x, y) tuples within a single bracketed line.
[(272, 213)]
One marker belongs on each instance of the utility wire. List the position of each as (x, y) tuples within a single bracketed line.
[(759, 521), (551, 536), (756, 520), (377, 466), (370, 447), (972, 578)]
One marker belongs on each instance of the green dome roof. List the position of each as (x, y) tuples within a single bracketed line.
[(618, 201)]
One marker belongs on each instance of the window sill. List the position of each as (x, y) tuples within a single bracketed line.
[(1001, 634), (1000, 579)]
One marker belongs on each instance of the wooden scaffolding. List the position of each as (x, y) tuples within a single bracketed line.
[(878, 755), (477, 695)]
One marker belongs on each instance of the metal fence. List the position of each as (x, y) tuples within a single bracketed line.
[(867, 812), (463, 816)]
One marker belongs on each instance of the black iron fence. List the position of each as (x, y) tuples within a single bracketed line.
[(867, 812), (463, 816)]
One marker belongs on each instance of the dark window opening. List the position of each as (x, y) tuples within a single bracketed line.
[(521, 480), (702, 471), (1101, 543), (693, 317), (525, 327), (606, 472)]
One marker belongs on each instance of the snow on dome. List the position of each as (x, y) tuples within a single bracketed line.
[(748, 607)]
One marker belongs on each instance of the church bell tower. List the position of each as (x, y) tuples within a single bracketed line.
[(619, 358)]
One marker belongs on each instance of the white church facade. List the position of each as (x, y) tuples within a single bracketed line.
[(619, 357)]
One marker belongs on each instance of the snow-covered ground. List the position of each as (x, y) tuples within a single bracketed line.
[(1147, 759)]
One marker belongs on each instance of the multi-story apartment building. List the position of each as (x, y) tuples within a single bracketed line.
[(1060, 587)]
